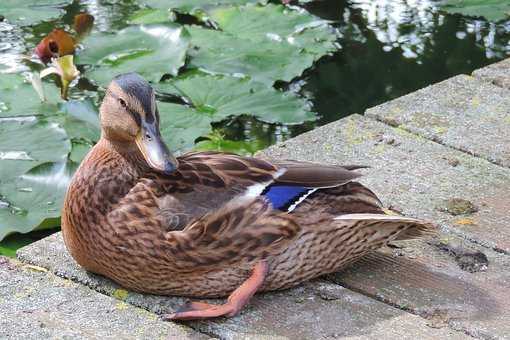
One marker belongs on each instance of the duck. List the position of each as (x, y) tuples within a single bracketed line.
[(212, 224)]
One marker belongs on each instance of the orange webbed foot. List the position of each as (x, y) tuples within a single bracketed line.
[(236, 301)]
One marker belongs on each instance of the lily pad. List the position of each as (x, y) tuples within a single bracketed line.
[(151, 16), (193, 6), (34, 198), (266, 62), (267, 43), (150, 50), (31, 11), (222, 97), (18, 97), (27, 142), (493, 10), (33, 172), (79, 150), (80, 120), (277, 24), (216, 142), (181, 125), (12, 243)]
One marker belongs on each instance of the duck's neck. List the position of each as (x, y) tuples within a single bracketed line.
[(106, 175)]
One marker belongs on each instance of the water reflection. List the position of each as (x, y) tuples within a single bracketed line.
[(390, 48), (11, 47)]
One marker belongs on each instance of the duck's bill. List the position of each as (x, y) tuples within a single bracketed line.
[(154, 150)]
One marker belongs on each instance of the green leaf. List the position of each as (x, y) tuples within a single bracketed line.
[(216, 142), (31, 11), (492, 10), (34, 198), (277, 24), (13, 242), (26, 142), (222, 97), (18, 97), (194, 6), (181, 125), (150, 50), (80, 120), (150, 16), (33, 172), (79, 150), (267, 43)]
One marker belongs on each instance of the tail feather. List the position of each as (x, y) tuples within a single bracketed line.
[(391, 227)]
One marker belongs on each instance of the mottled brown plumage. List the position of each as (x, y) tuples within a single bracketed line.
[(186, 226)]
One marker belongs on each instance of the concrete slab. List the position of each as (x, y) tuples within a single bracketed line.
[(463, 112), (422, 178), (420, 279), (315, 310), (36, 304), (497, 74)]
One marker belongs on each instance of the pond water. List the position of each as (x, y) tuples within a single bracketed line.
[(388, 48)]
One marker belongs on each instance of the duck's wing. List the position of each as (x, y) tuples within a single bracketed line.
[(312, 175), (245, 230), (205, 181)]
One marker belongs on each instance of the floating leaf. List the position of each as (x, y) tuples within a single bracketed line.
[(193, 6), (27, 142), (56, 44), (80, 120), (10, 244), (27, 12), (266, 62), (151, 16), (221, 97), (278, 24), (267, 43), (18, 97), (216, 142), (150, 50), (34, 197), (79, 151), (33, 172), (493, 10), (181, 125)]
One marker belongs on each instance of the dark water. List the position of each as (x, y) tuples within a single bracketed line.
[(389, 48)]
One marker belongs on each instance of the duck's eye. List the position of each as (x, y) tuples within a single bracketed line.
[(122, 102)]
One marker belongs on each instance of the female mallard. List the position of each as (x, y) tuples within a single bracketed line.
[(211, 224)]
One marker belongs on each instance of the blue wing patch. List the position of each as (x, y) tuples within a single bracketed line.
[(283, 196)]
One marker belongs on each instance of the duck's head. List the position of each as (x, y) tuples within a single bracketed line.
[(130, 118)]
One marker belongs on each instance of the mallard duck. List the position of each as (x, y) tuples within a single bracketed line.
[(212, 224)]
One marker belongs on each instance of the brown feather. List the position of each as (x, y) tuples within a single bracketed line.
[(315, 175), (244, 230)]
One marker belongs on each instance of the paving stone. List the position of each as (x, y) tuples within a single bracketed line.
[(419, 177), (420, 279), (36, 304), (497, 74), (463, 112), (315, 310)]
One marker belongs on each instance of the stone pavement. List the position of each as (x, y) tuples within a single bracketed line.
[(441, 153)]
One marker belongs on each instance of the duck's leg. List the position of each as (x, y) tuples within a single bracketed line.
[(235, 302)]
